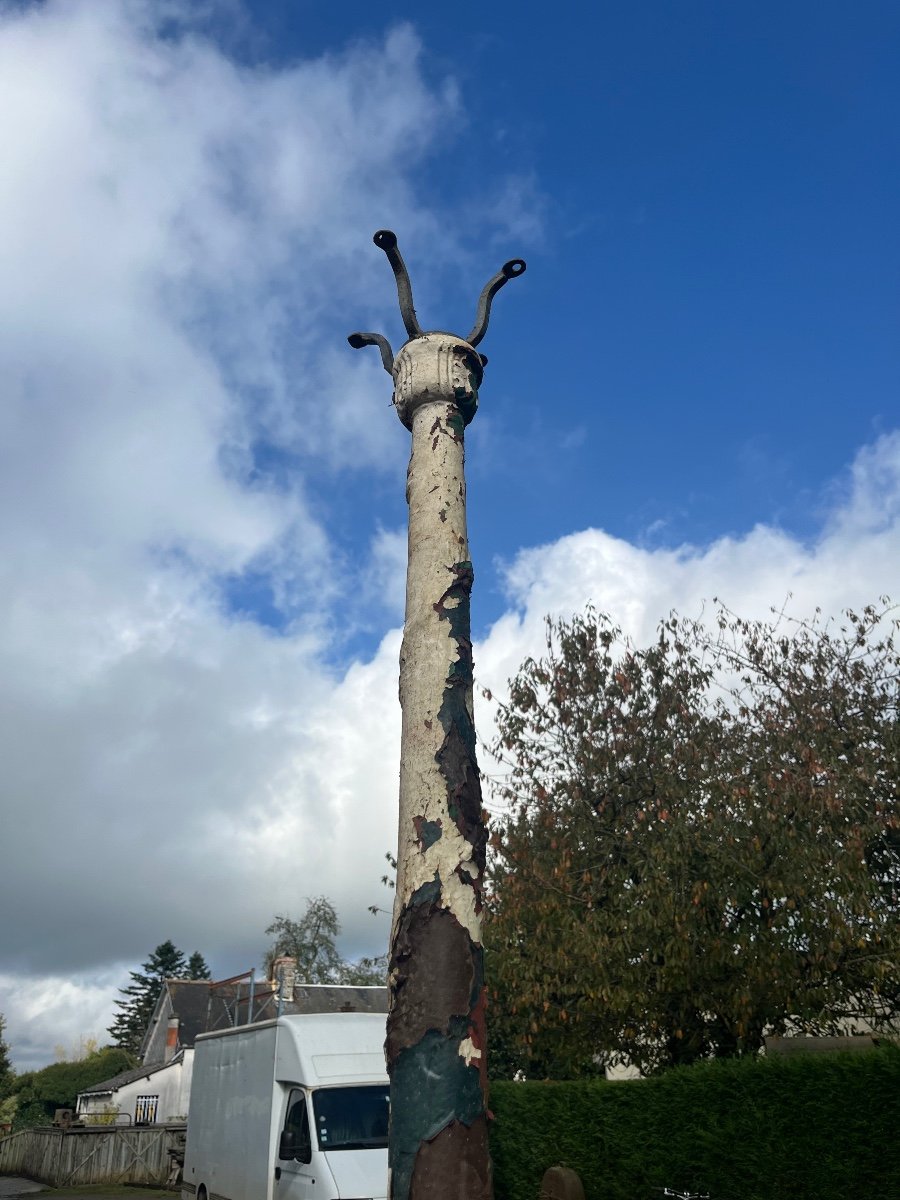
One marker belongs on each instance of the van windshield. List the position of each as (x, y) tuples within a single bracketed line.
[(352, 1118)]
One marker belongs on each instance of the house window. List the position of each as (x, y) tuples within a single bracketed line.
[(145, 1110)]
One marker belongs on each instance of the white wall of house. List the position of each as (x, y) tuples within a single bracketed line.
[(169, 1086)]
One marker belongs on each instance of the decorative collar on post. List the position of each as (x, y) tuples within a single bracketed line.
[(433, 363)]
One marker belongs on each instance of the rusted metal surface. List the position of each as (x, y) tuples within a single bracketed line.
[(459, 1153), (436, 1038), (430, 946)]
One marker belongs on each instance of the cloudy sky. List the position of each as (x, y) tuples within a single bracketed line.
[(693, 392)]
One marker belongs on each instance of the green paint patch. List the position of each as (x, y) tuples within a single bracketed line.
[(467, 404), (457, 613), (460, 670), (454, 710), (427, 893), (456, 757), (431, 1087), (428, 832)]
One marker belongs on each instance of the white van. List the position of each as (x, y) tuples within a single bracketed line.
[(290, 1109)]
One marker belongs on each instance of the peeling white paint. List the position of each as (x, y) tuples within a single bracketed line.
[(469, 1051), (431, 374)]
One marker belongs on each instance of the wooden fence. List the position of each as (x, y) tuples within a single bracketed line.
[(94, 1154)]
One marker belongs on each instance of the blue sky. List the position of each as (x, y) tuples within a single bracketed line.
[(692, 392), (709, 203)]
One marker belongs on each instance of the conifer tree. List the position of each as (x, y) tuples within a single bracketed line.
[(139, 998), (197, 968)]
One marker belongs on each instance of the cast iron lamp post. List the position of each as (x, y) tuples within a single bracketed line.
[(436, 1048)]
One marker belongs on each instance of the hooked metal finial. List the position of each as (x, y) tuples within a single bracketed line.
[(358, 340), (386, 240), (509, 270)]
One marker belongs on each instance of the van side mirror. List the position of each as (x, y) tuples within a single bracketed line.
[(294, 1146)]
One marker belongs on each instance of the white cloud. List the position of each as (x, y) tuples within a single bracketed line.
[(62, 1008), (180, 240), (287, 783), (854, 560)]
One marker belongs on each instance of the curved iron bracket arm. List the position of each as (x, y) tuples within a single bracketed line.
[(515, 266), (358, 340), (386, 240)]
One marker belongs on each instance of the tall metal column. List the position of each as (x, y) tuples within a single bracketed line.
[(436, 1044)]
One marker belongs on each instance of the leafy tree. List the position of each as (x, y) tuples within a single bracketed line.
[(139, 998), (311, 942), (40, 1093), (84, 1047), (6, 1072), (388, 880), (365, 972), (701, 841), (197, 968)]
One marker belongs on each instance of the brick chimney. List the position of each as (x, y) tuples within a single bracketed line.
[(171, 1039), (284, 976)]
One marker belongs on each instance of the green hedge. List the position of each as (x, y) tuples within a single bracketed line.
[(810, 1127)]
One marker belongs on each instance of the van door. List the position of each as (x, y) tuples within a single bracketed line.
[(351, 1126), (295, 1175)]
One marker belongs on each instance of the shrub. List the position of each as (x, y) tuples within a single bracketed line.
[(812, 1127)]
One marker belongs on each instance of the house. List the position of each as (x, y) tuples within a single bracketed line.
[(159, 1090), (148, 1095)]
